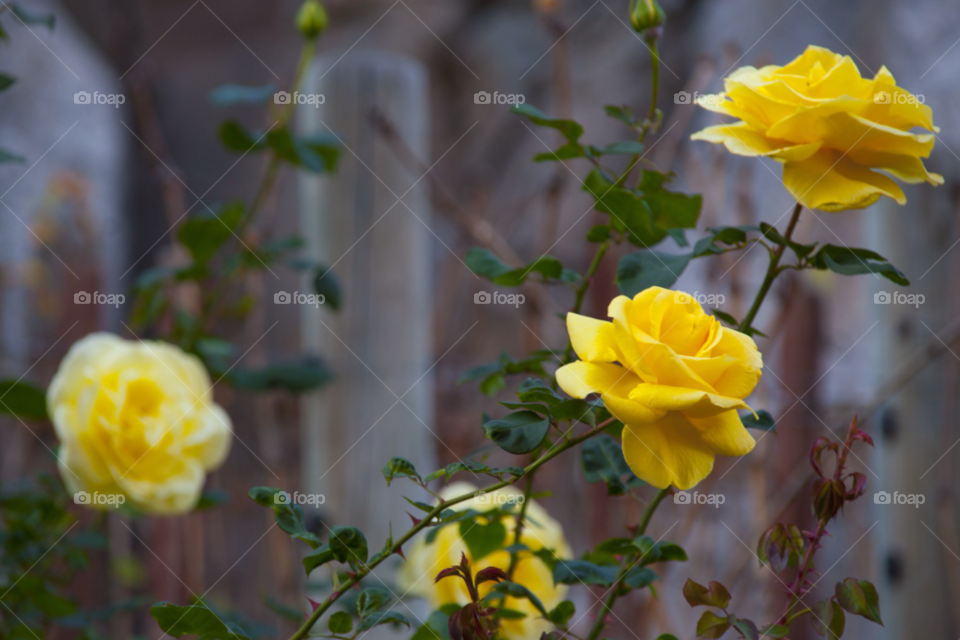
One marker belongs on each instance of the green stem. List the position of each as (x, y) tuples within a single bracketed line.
[(648, 512), (652, 113), (582, 290), (773, 270), (518, 529), (628, 564), (428, 520)]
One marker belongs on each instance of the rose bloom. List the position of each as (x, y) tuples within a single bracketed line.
[(828, 126), (673, 375), (138, 419), (426, 559)]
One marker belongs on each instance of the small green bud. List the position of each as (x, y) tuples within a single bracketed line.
[(311, 19), (646, 14)]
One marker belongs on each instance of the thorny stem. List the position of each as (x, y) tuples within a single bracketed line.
[(428, 520), (796, 587), (773, 270), (625, 567)]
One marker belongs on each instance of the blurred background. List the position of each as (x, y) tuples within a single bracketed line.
[(430, 168)]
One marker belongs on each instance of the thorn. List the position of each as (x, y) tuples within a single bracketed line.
[(416, 521), (313, 604), (399, 552)]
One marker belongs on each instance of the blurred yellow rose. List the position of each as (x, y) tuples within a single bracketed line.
[(426, 559), (673, 375), (136, 419), (828, 126)]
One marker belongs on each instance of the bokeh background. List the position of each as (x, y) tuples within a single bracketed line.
[(426, 173)]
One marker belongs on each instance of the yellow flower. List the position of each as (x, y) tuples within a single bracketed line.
[(828, 126), (426, 559), (136, 419), (673, 375)]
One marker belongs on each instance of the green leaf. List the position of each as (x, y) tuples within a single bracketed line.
[(801, 250), (340, 623), (561, 614), (852, 262), (603, 461), (289, 516), (711, 625), (583, 572), (571, 130), (10, 156), (764, 421), (23, 399), (515, 590), (212, 498), (482, 539), (626, 147), (371, 599), (348, 544), (321, 556), (671, 552), (575, 411), (564, 152), (399, 468), (203, 234), (231, 94), (316, 153), (235, 138), (747, 628), (382, 617), (484, 263), (493, 373), (327, 284), (434, 629), (667, 636), (622, 113), (6, 81), (714, 596), (598, 233), (668, 208), (33, 17), (518, 433), (178, 621), (859, 597), (639, 577), (828, 619), (775, 631), (296, 377), (644, 269), (726, 317)]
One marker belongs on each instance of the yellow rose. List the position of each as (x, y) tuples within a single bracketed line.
[(426, 559), (828, 126), (136, 419), (673, 375)]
